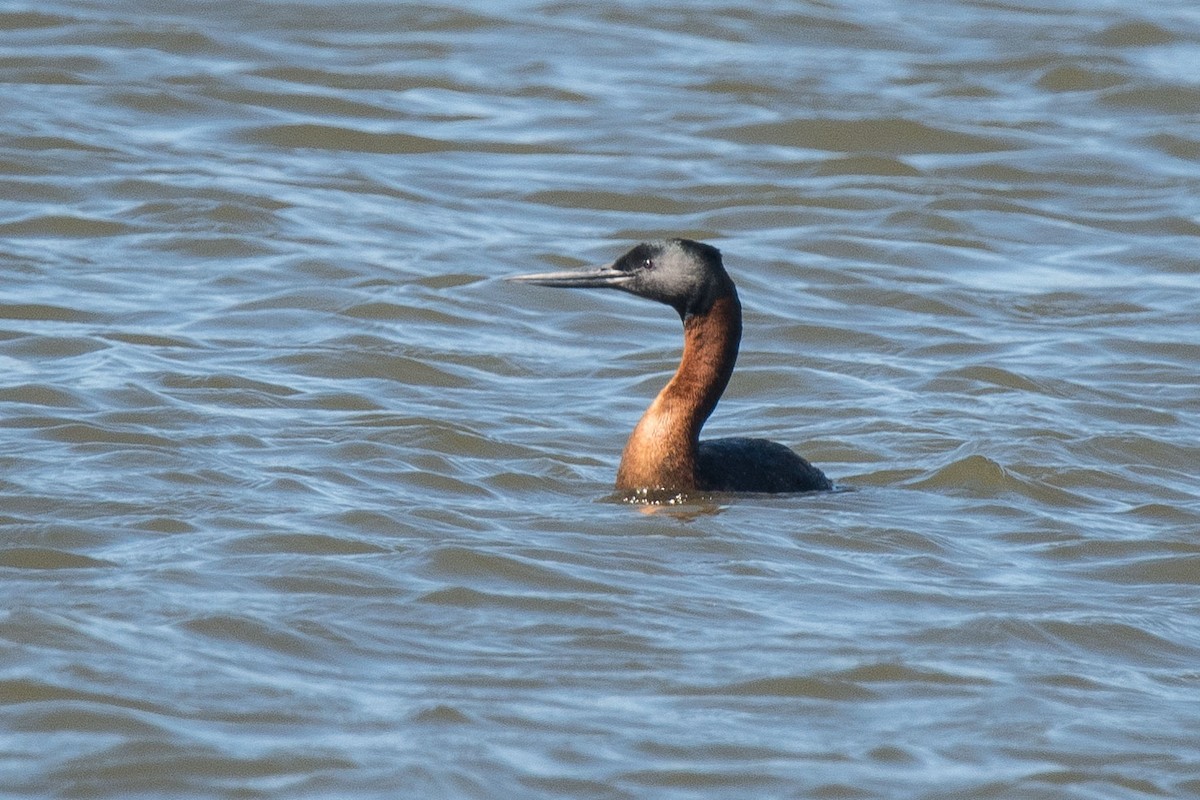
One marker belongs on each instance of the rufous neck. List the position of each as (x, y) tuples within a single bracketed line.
[(662, 451), (710, 350)]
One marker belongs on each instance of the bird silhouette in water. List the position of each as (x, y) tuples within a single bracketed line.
[(664, 453)]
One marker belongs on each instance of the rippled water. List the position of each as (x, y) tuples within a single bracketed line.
[(298, 499)]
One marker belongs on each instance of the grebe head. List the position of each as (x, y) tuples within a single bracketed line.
[(685, 274)]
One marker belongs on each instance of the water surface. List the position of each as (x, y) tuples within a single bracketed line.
[(298, 499)]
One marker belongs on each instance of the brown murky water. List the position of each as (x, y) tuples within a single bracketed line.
[(299, 500)]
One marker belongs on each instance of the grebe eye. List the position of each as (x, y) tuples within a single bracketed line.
[(648, 263)]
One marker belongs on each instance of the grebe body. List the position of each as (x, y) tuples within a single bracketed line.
[(664, 452)]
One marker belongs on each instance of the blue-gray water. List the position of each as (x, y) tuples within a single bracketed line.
[(299, 500)]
